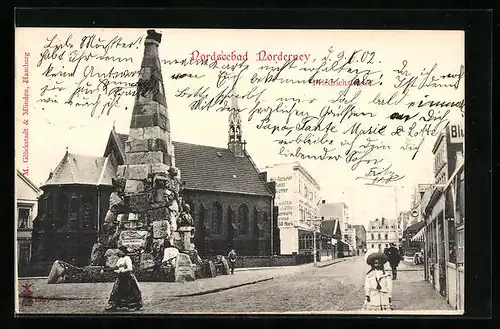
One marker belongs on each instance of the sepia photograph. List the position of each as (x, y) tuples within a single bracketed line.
[(252, 171)]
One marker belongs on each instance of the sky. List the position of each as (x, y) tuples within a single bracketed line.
[(53, 127)]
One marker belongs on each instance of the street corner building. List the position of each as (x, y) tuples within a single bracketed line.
[(231, 201), (443, 211)]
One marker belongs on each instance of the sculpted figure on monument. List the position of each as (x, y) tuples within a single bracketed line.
[(185, 218)]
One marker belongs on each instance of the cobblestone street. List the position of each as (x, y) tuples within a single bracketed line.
[(332, 288)]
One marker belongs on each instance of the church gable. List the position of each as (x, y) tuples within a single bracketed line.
[(116, 146)]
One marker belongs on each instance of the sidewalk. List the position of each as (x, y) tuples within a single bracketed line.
[(318, 264), (412, 293)]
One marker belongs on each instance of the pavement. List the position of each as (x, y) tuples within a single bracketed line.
[(331, 286)]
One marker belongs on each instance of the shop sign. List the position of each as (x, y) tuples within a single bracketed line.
[(457, 133)]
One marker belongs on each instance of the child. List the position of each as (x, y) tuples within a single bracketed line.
[(378, 284)]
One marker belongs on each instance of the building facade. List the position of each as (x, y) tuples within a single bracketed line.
[(382, 232), (443, 209), (72, 208), (404, 221), (26, 210), (297, 197)]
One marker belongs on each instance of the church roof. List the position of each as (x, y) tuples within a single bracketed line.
[(215, 169), (82, 170)]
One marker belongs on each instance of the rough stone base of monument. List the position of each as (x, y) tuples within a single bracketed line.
[(62, 272)]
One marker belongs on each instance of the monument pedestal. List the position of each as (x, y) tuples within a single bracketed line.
[(185, 237)]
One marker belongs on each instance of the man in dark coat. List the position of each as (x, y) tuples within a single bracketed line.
[(232, 256), (394, 258)]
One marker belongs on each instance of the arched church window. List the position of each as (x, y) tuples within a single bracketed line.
[(62, 210), (201, 217), (216, 218), (243, 219), (264, 224), (256, 228)]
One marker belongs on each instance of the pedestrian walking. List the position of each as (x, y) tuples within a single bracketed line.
[(378, 284), (394, 258), (232, 256), (125, 292)]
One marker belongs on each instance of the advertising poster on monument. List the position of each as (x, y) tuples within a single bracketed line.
[(156, 139)]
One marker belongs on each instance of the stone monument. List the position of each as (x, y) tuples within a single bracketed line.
[(147, 213)]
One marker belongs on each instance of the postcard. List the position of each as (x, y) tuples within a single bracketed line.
[(165, 171)]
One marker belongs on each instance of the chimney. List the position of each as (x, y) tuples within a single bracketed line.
[(323, 201), (263, 176)]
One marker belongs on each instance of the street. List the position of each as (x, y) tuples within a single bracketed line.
[(332, 288)]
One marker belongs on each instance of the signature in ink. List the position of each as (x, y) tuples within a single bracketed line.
[(380, 176)]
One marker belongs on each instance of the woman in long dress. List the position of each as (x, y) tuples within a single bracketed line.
[(126, 292), (378, 284)]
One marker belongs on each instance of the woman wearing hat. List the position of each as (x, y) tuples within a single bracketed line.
[(378, 284), (126, 292)]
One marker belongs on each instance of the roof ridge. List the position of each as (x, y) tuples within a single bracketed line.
[(28, 181), (121, 149), (104, 167), (71, 169)]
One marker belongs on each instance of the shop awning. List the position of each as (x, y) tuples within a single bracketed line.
[(430, 198), (419, 236)]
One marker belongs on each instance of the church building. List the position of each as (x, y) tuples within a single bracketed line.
[(232, 203)]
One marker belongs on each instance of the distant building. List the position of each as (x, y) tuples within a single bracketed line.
[(26, 210), (297, 197), (330, 228), (340, 212), (360, 237), (404, 220), (382, 232), (415, 212)]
